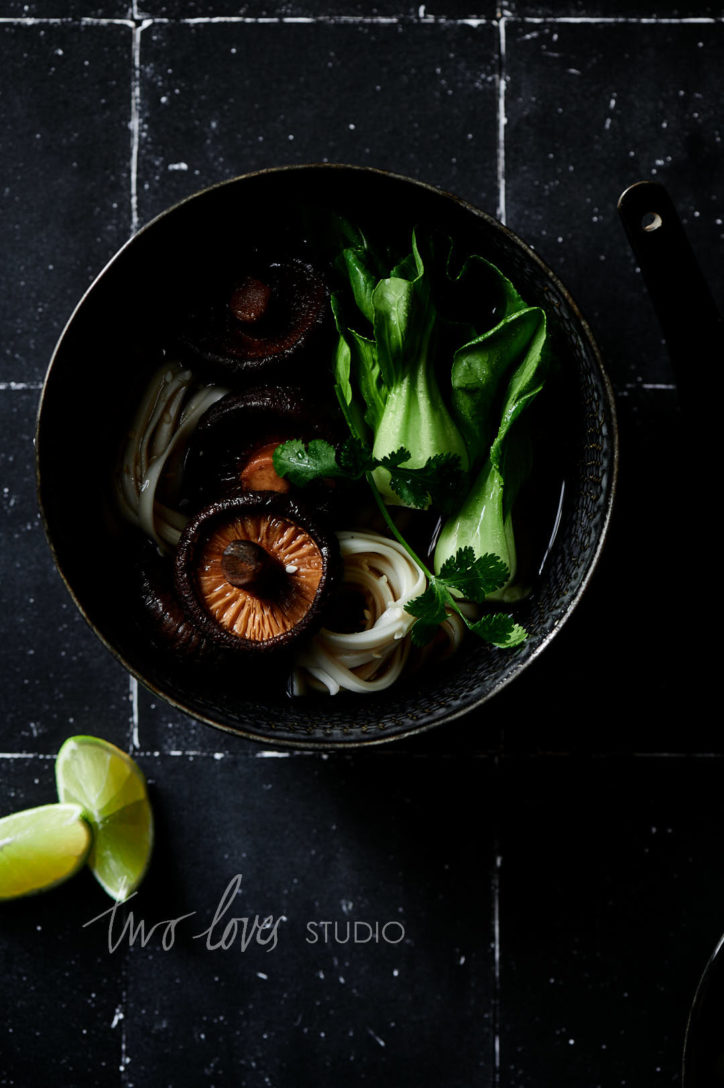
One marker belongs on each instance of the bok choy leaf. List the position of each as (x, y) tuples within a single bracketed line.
[(386, 381), (512, 359)]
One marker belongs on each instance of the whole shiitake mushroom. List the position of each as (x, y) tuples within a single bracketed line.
[(254, 571)]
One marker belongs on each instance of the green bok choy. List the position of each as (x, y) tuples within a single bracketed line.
[(443, 363), (433, 369)]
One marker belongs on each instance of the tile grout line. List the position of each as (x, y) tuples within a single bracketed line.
[(648, 385), (501, 120), (495, 895), (496, 970), (27, 755), (133, 696), (125, 1060), (614, 20), (135, 125), (30, 21), (298, 20), (156, 753), (138, 20)]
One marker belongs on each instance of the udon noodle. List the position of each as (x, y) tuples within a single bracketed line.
[(171, 408), (372, 659)]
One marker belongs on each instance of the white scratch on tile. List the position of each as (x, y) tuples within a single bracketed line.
[(611, 108)]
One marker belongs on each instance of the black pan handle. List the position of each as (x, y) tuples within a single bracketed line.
[(691, 323)]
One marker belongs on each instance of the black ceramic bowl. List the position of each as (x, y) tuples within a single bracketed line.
[(112, 343), (703, 1062)]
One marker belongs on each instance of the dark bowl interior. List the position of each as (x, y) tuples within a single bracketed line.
[(114, 341)]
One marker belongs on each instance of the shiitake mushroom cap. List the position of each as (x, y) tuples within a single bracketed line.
[(258, 320), (290, 598), (167, 622), (161, 617), (234, 429)]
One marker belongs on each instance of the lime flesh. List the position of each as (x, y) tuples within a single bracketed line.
[(111, 790), (41, 847)]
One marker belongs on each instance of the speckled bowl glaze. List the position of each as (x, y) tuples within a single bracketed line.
[(112, 343)]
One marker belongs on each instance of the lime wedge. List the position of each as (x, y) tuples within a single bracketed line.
[(111, 790), (41, 847)]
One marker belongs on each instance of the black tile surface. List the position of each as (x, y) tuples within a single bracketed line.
[(56, 678), (379, 10), (212, 108), (592, 108), (65, 176), (555, 855), (62, 995), (27, 10), (604, 935), (312, 1011)]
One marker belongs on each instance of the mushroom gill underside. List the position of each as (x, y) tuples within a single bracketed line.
[(253, 572), (279, 589)]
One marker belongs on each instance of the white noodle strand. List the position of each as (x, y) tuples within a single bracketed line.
[(168, 415), (369, 660), (372, 659)]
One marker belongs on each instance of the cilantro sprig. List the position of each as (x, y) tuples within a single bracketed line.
[(463, 576), (438, 482)]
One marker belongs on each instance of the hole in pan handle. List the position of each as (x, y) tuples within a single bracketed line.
[(691, 323)]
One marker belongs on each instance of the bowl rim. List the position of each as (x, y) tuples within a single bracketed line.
[(688, 1056), (413, 729)]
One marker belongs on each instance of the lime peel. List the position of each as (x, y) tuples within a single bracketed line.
[(111, 790), (41, 848)]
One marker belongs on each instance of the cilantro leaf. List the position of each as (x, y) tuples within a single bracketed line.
[(500, 629), (471, 578), (430, 606), (302, 462), (430, 610), (354, 459), (474, 577), (447, 482), (409, 484), (437, 481)]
